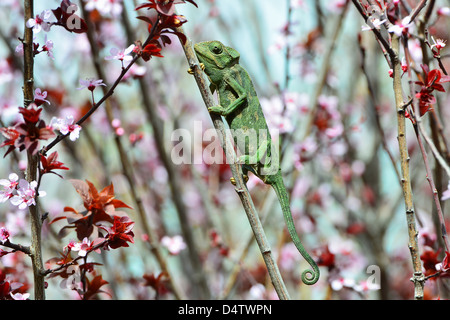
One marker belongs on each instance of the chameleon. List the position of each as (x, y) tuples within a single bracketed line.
[(240, 107)]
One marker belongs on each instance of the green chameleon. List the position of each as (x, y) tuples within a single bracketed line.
[(241, 108)]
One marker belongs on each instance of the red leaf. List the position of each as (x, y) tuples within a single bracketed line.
[(51, 163), (94, 287), (166, 9), (446, 262), (67, 19), (151, 50), (30, 114)]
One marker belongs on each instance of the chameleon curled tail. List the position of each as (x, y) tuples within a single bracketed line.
[(309, 276)]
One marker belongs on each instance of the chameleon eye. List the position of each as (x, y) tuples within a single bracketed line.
[(216, 48)]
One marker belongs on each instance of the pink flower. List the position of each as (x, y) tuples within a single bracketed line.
[(446, 193), (121, 55), (4, 234), (39, 97), (174, 244), (444, 11), (82, 247), (66, 126), (40, 22), (404, 65), (91, 84), (401, 27), (85, 246), (19, 49), (20, 296), (8, 187), (373, 23), (437, 45), (48, 47), (26, 194)]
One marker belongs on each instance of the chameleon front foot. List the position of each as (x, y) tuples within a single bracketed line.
[(202, 66), (233, 180)]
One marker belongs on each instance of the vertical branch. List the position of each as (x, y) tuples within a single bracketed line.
[(33, 160), (418, 278), (241, 189)]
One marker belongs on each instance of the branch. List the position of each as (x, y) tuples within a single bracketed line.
[(417, 9), (17, 247), (33, 160), (241, 189), (385, 45), (418, 277)]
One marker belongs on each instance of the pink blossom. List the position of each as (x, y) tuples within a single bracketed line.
[(121, 55), (91, 84), (174, 244), (82, 247), (401, 27), (339, 284), (335, 131), (373, 23), (48, 47), (19, 49), (40, 97), (6, 72), (438, 44), (365, 286), (66, 126), (446, 193), (444, 11), (4, 234), (405, 66), (20, 296), (40, 22), (26, 194), (8, 187)]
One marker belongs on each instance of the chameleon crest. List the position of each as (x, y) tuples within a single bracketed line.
[(240, 106)]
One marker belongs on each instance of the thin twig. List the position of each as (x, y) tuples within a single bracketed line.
[(16, 247)]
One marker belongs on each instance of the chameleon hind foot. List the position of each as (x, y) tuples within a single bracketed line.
[(233, 180)]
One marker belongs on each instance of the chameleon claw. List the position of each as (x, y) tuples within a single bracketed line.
[(191, 69), (233, 180)]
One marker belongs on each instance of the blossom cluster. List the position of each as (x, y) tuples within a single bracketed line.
[(20, 193)]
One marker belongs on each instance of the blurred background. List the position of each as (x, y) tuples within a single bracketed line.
[(340, 166)]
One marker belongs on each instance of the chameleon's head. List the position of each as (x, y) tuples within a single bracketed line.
[(214, 55)]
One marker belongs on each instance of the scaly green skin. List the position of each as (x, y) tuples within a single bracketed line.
[(241, 108)]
